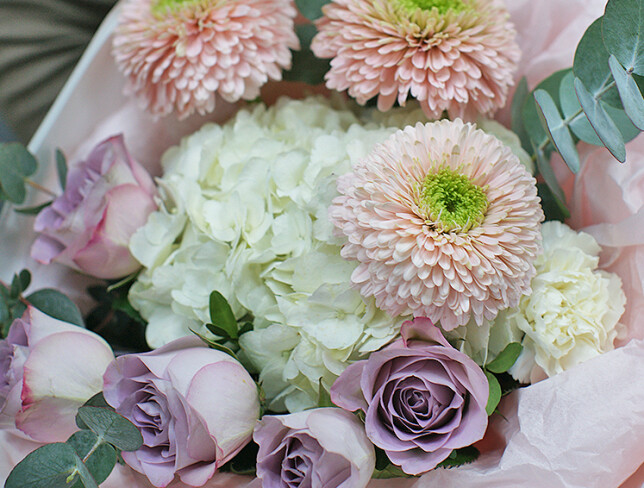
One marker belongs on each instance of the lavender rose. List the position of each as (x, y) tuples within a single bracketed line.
[(48, 369), (324, 447), (107, 198), (422, 398), (195, 407)]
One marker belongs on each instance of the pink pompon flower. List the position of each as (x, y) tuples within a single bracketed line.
[(177, 54), (454, 55), (444, 221)]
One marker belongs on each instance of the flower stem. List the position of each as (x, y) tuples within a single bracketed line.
[(40, 188)]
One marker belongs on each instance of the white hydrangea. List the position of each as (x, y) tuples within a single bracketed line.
[(571, 315), (244, 211)]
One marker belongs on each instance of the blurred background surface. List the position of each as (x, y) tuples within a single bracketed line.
[(40, 43)]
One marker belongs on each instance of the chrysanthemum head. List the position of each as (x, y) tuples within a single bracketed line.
[(179, 54), (444, 222), (457, 56)]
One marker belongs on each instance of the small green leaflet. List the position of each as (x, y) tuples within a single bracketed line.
[(111, 427), (505, 359), (495, 393)]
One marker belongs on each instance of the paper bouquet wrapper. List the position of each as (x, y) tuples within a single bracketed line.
[(583, 428)]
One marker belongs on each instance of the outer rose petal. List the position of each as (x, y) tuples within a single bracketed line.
[(60, 374), (106, 255), (230, 407)]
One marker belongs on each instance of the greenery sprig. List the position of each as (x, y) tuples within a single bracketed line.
[(598, 101), (87, 458)]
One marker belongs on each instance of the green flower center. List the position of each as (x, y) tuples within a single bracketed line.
[(441, 5), (452, 201), (161, 7)]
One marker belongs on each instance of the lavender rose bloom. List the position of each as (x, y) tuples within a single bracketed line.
[(107, 198), (323, 448), (422, 398), (195, 407), (48, 369)]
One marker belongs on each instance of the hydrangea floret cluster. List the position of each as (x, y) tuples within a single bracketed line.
[(245, 213), (457, 56)]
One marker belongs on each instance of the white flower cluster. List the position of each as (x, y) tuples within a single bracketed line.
[(244, 211), (571, 315)]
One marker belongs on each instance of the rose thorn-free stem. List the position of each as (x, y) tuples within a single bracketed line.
[(40, 188)]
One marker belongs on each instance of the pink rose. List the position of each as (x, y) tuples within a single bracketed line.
[(48, 369), (323, 447), (196, 408), (421, 397), (108, 197)]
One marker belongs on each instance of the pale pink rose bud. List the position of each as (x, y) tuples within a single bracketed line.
[(195, 407), (48, 369), (107, 198)]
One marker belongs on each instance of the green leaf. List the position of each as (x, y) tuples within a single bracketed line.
[(495, 393), (16, 164), (218, 331), (213, 344), (521, 96), (506, 358), (389, 472), (306, 67), (57, 305), (19, 283), (111, 427), (591, 64), (543, 165), (580, 125), (85, 476), (629, 92), (552, 207), (61, 168), (49, 466), (97, 400), (311, 9), (101, 462), (459, 457), (558, 131), (247, 327), (221, 315), (623, 25), (601, 122), (34, 210), (531, 119), (324, 398)]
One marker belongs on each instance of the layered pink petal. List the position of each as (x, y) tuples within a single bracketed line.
[(460, 60), (178, 59)]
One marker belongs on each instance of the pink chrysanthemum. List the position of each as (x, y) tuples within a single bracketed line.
[(454, 55), (177, 54), (444, 221)]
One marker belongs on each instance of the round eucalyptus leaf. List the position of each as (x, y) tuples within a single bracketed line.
[(101, 462), (623, 29), (531, 120), (604, 126), (629, 93), (49, 466), (591, 64)]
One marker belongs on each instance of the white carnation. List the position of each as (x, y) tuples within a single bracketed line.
[(573, 311)]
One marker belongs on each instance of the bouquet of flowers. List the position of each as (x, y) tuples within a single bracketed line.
[(332, 244)]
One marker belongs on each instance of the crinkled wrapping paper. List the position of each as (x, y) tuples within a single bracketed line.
[(581, 429)]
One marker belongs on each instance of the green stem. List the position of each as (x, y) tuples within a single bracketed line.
[(98, 442), (571, 118), (41, 188)]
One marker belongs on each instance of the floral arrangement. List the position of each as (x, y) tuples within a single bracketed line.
[(386, 244)]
